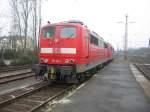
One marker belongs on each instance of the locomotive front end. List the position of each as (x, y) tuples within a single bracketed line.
[(59, 48)]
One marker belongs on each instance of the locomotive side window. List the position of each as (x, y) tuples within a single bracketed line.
[(86, 35), (101, 43), (68, 32), (93, 40), (49, 32), (105, 45)]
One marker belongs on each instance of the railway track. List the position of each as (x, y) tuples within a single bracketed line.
[(10, 74), (9, 69), (17, 76), (142, 64), (139, 59), (145, 69), (32, 98)]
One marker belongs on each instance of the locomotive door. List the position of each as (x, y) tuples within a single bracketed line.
[(56, 44), (87, 37)]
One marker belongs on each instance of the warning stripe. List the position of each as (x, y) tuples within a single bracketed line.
[(61, 50)]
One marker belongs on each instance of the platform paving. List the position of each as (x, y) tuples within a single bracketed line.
[(113, 89)]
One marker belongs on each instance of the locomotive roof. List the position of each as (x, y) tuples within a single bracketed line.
[(96, 35), (74, 23), (70, 22), (62, 23)]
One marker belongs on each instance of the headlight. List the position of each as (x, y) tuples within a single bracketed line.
[(69, 61), (43, 60), (72, 61)]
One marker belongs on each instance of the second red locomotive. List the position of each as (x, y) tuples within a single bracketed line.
[(69, 49)]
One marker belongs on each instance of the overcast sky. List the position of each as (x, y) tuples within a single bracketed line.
[(101, 16)]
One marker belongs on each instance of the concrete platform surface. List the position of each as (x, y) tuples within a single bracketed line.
[(113, 89)]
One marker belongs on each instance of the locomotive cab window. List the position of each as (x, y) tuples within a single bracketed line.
[(93, 40), (105, 45), (101, 43), (68, 32), (49, 32)]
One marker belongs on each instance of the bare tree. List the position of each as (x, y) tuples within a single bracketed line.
[(21, 10), (19, 25), (16, 17), (13, 32), (26, 9), (34, 16)]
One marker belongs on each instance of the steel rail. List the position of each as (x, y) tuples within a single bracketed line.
[(57, 92), (10, 78), (50, 99), (8, 101), (143, 71), (13, 75), (13, 68)]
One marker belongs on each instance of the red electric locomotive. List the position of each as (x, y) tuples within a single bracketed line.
[(69, 50)]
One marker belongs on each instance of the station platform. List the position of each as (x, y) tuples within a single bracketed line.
[(112, 89)]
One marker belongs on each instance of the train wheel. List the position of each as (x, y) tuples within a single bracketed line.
[(67, 79), (78, 77), (81, 77)]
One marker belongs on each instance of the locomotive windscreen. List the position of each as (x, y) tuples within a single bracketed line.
[(68, 32), (49, 32)]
